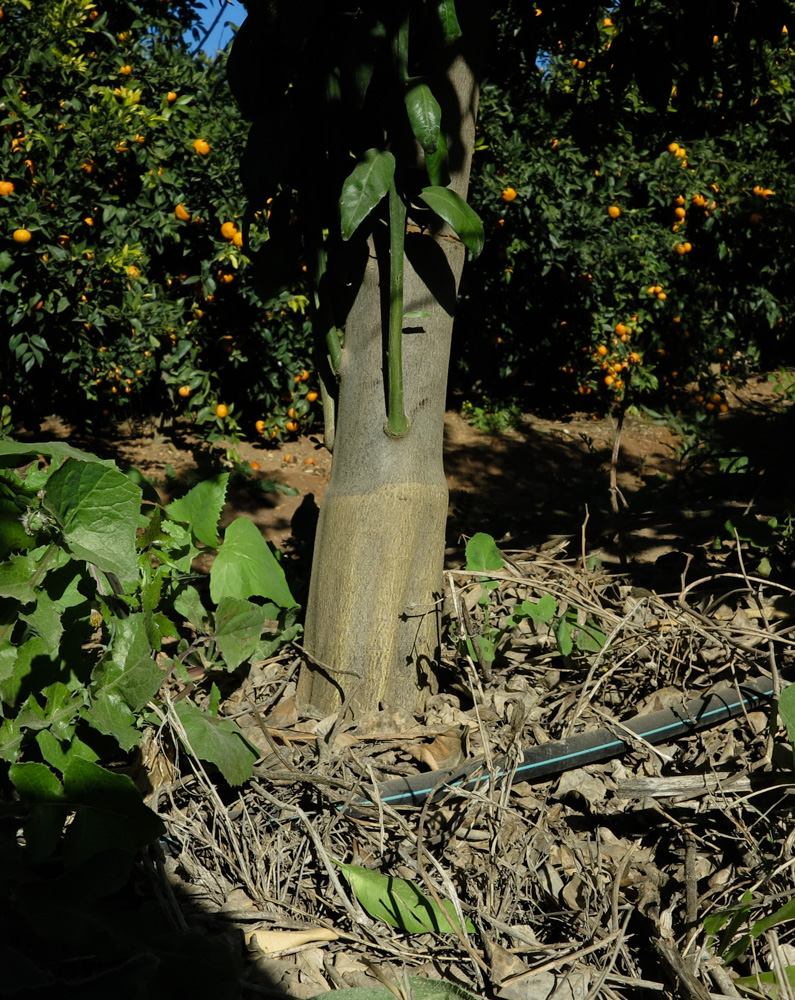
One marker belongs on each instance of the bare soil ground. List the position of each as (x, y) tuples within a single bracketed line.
[(595, 883)]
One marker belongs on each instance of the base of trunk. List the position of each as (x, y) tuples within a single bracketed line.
[(375, 598)]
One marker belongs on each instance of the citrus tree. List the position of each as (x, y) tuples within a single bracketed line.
[(638, 239), (125, 287), (378, 179)]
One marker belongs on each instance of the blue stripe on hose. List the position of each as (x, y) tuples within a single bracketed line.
[(726, 709)]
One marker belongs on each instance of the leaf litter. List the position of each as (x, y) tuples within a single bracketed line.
[(596, 883)]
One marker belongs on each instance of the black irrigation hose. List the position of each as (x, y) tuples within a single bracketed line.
[(588, 748)]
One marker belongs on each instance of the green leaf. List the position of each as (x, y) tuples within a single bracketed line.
[(110, 813), (57, 450), (124, 680), (15, 577), (219, 741), (436, 164), (447, 20), (750, 984), (399, 903), (364, 188), (786, 709), (238, 627), (41, 792), (58, 753), (425, 116), (246, 567), (563, 636), (97, 509), (482, 554), (421, 989), (590, 638), (463, 220), (542, 611), (45, 622), (201, 508)]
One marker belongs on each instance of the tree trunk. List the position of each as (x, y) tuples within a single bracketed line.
[(373, 616)]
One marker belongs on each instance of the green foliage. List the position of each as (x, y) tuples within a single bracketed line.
[(691, 281), (491, 417), (412, 987), (399, 903), (102, 613), (127, 291), (570, 629)]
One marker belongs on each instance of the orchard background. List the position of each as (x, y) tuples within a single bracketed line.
[(644, 251)]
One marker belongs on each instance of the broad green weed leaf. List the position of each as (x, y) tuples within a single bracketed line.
[(97, 510), (110, 813), (245, 567), (364, 188), (482, 554), (124, 680), (128, 670), (45, 622), (563, 636), (41, 791), (399, 903), (15, 577), (786, 709), (590, 638), (462, 219), (218, 741), (58, 753), (200, 508), (541, 611), (26, 659), (58, 451), (421, 989), (425, 116), (238, 627)]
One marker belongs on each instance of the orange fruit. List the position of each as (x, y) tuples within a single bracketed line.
[(291, 426), (304, 375), (508, 194), (634, 358), (601, 350), (673, 147), (227, 278), (260, 426), (662, 296), (311, 396), (621, 329), (310, 461), (88, 220), (22, 236), (237, 239), (614, 211), (680, 248), (182, 213), (255, 466), (171, 96), (222, 410), (679, 200), (202, 147), (125, 70), (609, 380), (688, 247), (184, 391), (679, 212), (6, 188), (228, 230)]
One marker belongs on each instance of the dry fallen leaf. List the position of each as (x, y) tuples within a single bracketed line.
[(272, 942)]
